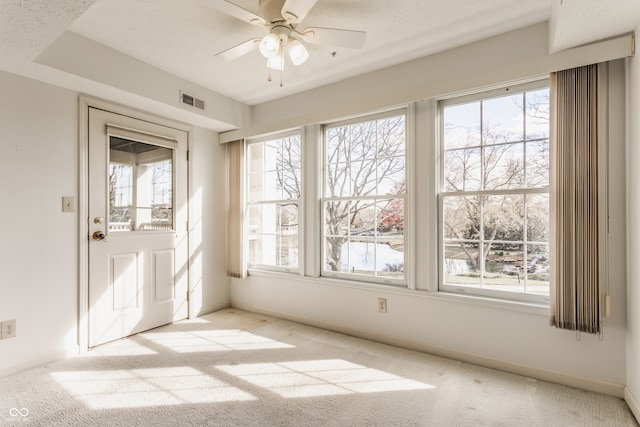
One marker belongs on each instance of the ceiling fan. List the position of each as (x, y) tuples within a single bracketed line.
[(281, 18)]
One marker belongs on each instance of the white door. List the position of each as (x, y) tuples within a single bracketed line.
[(138, 253)]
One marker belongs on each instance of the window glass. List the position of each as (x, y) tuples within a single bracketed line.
[(364, 198), (274, 181), (140, 186), (494, 199)]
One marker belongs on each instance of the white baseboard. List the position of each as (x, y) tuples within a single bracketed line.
[(617, 390), (632, 402), (210, 309), (39, 361)]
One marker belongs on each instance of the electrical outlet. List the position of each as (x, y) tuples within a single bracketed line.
[(382, 305), (8, 329)]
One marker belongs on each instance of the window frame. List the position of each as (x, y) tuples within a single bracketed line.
[(441, 194), (406, 281), (299, 269)]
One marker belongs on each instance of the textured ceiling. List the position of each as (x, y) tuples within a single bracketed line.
[(182, 37)]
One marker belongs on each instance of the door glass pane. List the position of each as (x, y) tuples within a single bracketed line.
[(140, 186)]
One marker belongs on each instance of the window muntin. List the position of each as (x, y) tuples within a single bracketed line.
[(364, 198), (274, 189), (494, 194)]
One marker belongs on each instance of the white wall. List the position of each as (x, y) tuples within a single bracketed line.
[(39, 243), (495, 335), (153, 89), (207, 188), (633, 240)]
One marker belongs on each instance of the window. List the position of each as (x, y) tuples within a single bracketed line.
[(274, 184), (494, 194), (140, 186), (364, 198)]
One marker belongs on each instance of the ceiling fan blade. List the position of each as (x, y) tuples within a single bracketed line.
[(231, 9), (239, 50), (334, 36), (295, 10)]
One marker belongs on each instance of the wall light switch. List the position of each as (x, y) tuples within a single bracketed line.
[(8, 329), (68, 204)]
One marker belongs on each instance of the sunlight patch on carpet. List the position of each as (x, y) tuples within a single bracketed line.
[(320, 378), (214, 340), (147, 387)]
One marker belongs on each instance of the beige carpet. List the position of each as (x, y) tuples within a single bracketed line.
[(234, 368)]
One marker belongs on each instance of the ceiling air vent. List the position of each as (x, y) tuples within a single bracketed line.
[(191, 101)]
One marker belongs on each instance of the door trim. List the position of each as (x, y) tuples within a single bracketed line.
[(84, 103)]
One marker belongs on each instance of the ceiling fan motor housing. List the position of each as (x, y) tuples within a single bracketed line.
[(282, 31), (271, 10)]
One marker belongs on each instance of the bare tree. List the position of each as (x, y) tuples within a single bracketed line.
[(497, 165), (288, 167), (117, 211), (362, 160), (497, 168)]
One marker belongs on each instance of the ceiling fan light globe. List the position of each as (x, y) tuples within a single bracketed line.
[(297, 52), (269, 46), (276, 63)]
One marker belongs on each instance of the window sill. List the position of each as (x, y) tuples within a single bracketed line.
[(489, 302), (500, 303)]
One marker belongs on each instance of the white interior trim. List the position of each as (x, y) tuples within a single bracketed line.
[(42, 360), (633, 403), (84, 103), (493, 303)]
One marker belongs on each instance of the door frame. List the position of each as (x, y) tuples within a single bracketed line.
[(84, 103)]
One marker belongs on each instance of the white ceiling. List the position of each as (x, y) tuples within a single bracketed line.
[(182, 37)]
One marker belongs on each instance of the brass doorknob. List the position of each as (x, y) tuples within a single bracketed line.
[(98, 235)]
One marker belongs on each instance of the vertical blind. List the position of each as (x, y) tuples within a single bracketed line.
[(236, 263), (575, 291)]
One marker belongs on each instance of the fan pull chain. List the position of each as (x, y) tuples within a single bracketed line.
[(281, 70), (281, 60), (281, 66)]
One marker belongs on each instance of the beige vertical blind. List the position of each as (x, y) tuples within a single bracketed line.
[(575, 290), (236, 263)]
